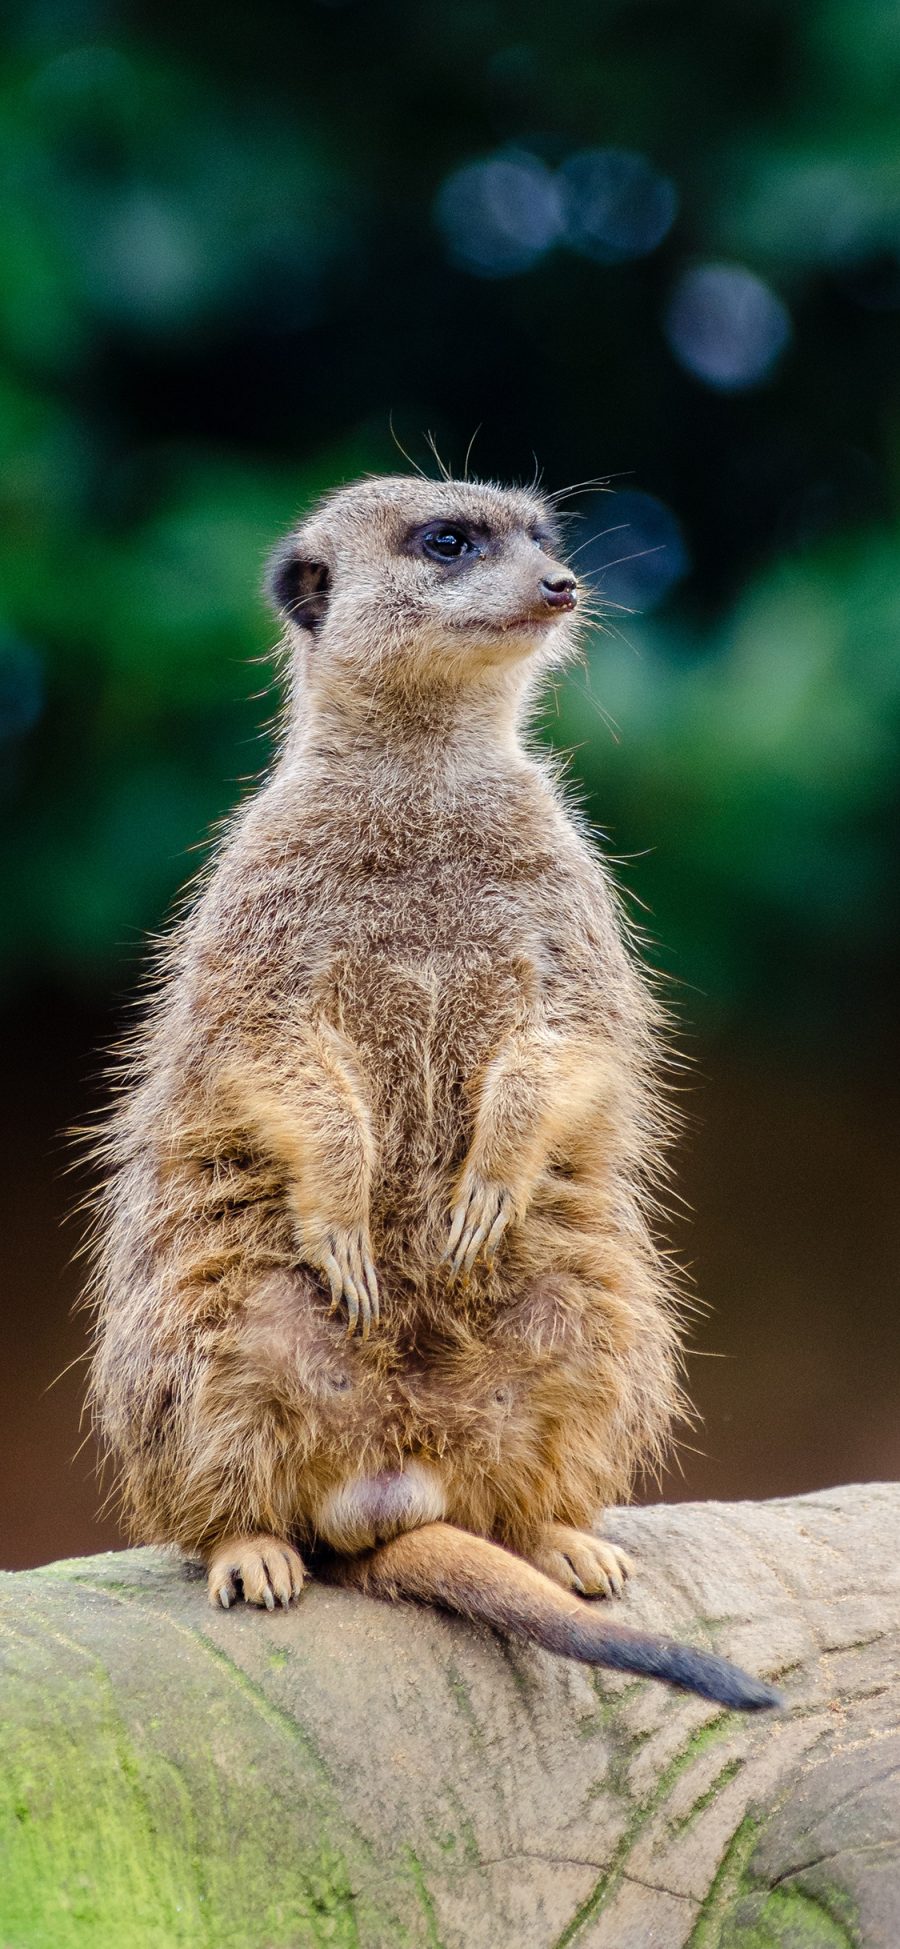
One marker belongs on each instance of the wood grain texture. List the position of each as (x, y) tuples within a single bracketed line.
[(350, 1773)]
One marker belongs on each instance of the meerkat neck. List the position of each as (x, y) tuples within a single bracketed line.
[(472, 729)]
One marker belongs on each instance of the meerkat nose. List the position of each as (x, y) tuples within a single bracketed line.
[(559, 591)]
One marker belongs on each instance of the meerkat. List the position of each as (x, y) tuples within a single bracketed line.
[(374, 1278)]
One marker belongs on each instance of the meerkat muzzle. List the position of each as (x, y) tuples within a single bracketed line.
[(559, 591)]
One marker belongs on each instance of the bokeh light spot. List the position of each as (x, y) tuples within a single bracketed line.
[(500, 216), (617, 205), (84, 75), (21, 688), (147, 257), (726, 326), (640, 555)]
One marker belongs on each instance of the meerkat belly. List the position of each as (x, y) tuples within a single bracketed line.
[(423, 1024), (460, 1437), (480, 1421)]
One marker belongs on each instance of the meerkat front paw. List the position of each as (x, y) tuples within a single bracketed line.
[(581, 1562), (478, 1221), (344, 1254), (268, 1570)]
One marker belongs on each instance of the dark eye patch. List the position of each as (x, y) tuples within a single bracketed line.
[(447, 542)]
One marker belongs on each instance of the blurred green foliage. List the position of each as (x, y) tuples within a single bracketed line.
[(232, 245)]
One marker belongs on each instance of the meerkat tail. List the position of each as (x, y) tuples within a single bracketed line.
[(441, 1565)]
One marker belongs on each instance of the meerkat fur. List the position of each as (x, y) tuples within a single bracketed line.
[(374, 1275)]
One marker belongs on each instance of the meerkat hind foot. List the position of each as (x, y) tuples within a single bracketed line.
[(581, 1562), (267, 1569)]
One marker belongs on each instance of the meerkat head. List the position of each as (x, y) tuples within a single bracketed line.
[(410, 584)]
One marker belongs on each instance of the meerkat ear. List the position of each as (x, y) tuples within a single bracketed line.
[(297, 587)]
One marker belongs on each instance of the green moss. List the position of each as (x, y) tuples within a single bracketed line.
[(698, 1743), (462, 1697), (706, 1799), (783, 1918), (103, 1845), (153, 1796), (707, 1930), (424, 1894), (644, 1811)]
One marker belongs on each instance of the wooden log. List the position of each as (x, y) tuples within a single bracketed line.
[(355, 1774)]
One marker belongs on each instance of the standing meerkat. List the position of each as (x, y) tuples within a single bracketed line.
[(374, 1280)]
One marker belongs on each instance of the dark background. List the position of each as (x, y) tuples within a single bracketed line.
[(625, 239)]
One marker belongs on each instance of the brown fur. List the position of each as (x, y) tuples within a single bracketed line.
[(401, 1015)]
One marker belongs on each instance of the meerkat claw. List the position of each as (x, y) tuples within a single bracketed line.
[(581, 1561), (478, 1222), (266, 1569), (372, 1289), (353, 1281)]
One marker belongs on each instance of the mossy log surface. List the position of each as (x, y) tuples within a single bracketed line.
[(350, 1773)]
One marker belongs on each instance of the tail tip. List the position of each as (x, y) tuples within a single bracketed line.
[(723, 1683), (757, 1696)]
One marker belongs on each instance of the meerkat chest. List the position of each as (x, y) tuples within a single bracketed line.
[(448, 882), (436, 950)]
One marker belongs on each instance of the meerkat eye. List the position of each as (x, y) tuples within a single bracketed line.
[(447, 544)]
